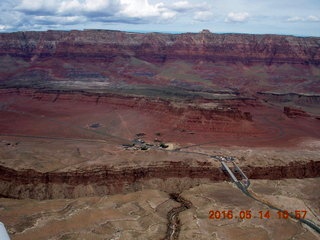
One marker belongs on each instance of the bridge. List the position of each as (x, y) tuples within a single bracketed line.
[(234, 169)]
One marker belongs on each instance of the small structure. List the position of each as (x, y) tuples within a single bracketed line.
[(231, 171), (225, 167), (245, 180)]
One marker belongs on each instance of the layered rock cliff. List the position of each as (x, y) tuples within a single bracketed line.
[(106, 45), (105, 67), (194, 114), (170, 176)]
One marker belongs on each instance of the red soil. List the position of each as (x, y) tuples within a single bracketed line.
[(69, 115)]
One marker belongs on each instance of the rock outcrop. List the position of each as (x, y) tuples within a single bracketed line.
[(300, 99), (292, 112), (154, 47), (102, 180), (195, 116)]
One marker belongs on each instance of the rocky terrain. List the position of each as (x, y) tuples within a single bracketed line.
[(153, 47), (101, 60), (102, 118), (143, 214), (105, 181)]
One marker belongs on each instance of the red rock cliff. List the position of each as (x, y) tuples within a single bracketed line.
[(160, 47), (101, 180)]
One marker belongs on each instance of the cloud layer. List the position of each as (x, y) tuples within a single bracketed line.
[(237, 17), (155, 15), (310, 18), (97, 10)]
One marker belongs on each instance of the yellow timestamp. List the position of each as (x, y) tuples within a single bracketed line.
[(249, 214)]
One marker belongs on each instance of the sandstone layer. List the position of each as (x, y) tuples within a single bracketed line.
[(100, 181), (121, 61), (161, 47)]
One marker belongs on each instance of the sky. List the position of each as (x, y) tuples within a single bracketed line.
[(290, 17)]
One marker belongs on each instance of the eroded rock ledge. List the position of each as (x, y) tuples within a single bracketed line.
[(154, 47), (170, 176), (200, 115)]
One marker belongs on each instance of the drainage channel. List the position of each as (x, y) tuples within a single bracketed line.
[(174, 224)]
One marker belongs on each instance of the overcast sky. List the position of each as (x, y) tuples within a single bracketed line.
[(294, 17)]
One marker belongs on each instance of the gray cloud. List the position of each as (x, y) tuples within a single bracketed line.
[(203, 16), (72, 12), (237, 17), (186, 6), (44, 14), (119, 9), (310, 18)]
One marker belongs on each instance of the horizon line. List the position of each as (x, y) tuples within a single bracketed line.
[(158, 32)]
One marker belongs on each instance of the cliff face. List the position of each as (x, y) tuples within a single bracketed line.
[(161, 47), (301, 99), (106, 70), (94, 59), (102, 181)]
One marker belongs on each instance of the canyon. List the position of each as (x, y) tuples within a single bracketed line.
[(99, 118)]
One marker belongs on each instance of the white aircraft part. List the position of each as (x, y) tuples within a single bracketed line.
[(3, 232)]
